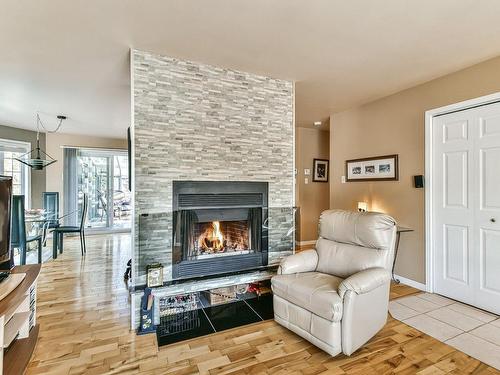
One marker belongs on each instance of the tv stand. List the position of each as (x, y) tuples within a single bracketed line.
[(4, 275), (18, 328)]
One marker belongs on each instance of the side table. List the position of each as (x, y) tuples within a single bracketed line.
[(398, 236)]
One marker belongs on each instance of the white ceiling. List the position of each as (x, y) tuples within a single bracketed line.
[(71, 56)]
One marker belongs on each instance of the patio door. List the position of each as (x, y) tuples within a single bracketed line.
[(103, 176)]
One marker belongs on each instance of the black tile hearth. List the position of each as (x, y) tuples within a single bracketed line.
[(262, 305), (207, 320), (231, 315)]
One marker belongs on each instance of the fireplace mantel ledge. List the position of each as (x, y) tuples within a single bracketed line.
[(209, 283)]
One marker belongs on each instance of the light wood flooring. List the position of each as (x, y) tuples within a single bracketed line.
[(84, 329)]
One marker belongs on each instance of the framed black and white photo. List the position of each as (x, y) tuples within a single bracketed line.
[(320, 169), (378, 168)]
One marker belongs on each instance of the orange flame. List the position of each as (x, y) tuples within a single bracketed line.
[(212, 238), (218, 237)]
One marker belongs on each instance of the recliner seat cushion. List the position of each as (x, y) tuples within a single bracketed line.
[(313, 291)]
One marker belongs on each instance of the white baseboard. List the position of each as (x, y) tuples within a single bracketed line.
[(412, 283), (302, 243)]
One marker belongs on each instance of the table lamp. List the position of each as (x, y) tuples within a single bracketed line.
[(362, 206)]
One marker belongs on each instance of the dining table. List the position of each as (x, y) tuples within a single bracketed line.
[(38, 221)]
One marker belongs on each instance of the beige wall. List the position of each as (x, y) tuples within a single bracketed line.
[(312, 198), (55, 143), (395, 125)]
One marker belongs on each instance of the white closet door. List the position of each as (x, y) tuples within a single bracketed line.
[(453, 207), (466, 220), (487, 153)]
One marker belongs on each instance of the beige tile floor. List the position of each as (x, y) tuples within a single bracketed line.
[(470, 330)]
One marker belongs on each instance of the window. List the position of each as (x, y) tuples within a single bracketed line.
[(103, 176), (20, 173)]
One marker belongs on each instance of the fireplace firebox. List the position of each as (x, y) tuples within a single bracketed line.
[(219, 227)]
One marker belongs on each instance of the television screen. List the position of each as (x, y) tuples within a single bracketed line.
[(5, 207)]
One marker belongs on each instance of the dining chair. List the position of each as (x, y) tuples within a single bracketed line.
[(51, 207), (61, 230), (19, 239)]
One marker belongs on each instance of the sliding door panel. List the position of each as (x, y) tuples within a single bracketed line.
[(102, 175)]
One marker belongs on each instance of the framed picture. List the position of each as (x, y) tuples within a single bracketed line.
[(155, 275), (378, 168), (320, 170)]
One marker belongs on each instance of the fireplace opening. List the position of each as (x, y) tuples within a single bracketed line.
[(218, 227), (221, 238)]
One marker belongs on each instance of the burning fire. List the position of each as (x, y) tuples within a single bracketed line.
[(212, 238)]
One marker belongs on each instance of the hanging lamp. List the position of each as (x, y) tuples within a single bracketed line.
[(38, 159)]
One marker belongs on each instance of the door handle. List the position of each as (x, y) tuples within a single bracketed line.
[(493, 220)]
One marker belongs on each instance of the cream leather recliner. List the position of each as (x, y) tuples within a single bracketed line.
[(337, 296)]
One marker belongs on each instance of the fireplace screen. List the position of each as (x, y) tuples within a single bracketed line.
[(219, 228), (219, 236)]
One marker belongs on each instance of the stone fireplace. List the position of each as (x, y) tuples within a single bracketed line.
[(219, 227), (195, 125)]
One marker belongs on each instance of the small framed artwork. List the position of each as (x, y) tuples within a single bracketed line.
[(320, 170), (155, 275), (378, 168)]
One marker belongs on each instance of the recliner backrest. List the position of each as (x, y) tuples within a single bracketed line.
[(350, 242)]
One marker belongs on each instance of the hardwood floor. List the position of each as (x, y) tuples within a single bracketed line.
[(84, 329)]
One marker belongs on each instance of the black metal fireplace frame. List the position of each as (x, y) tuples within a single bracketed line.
[(219, 196)]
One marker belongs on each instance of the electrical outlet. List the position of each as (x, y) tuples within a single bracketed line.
[(306, 180)]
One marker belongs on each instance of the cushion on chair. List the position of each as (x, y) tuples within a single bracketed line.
[(66, 228), (367, 229), (351, 242), (33, 238), (313, 291), (343, 259)]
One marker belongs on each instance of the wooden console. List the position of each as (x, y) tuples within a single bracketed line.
[(18, 328)]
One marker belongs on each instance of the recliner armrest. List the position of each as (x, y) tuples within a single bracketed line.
[(364, 281), (305, 261)]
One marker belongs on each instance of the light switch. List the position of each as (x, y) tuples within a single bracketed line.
[(342, 180), (307, 172), (306, 180)]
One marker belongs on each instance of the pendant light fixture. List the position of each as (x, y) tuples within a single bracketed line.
[(38, 159)]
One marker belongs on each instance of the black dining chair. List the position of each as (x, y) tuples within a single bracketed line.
[(62, 229), (19, 239), (51, 207)]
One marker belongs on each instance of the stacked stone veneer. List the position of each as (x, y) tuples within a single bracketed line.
[(197, 122)]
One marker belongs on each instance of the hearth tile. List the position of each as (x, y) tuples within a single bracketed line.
[(262, 305), (231, 315), (183, 326)]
